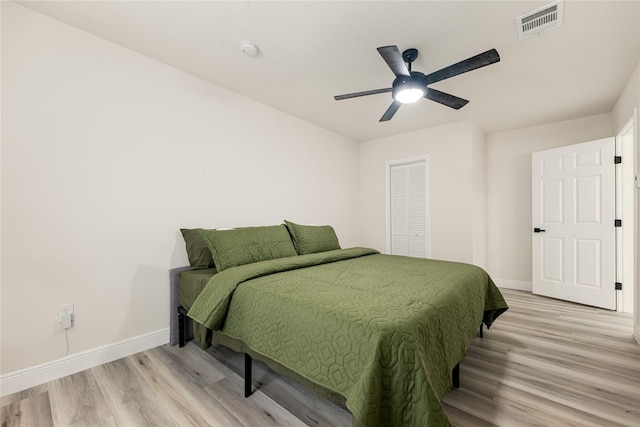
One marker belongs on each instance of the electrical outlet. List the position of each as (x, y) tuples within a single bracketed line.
[(65, 309)]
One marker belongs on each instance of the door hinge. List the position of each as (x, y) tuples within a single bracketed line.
[(618, 286), (617, 160), (617, 223)]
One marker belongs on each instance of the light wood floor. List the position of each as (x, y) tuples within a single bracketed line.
[(544, 363)]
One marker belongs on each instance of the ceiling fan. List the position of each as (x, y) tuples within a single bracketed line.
[(409, 86)]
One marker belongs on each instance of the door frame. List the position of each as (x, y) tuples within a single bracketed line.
[(626, 209)]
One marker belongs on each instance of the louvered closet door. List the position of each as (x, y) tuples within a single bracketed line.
[(408, 209)]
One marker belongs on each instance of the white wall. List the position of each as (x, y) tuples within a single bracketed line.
[(106, 154), (509, 225), (450, 149), (628, 101), (479, 195)]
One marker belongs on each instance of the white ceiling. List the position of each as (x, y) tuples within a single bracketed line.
[(310, 51)]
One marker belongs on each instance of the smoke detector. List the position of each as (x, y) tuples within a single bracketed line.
[(543, 19), (248, 48)]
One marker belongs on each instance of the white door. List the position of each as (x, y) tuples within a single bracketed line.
[(573, 223)]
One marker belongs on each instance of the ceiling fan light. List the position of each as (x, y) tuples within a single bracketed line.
[(408, 95)]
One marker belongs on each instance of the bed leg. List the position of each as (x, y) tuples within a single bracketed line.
[(247, 375), (455, 376), (182, 326), (481, 330)]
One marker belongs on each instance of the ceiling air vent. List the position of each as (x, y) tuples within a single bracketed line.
[(542, 19)]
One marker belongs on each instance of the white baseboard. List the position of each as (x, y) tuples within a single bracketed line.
[(23, 379), (518, 285), (636, 332)]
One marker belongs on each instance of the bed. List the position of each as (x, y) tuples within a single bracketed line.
[(378, 333)]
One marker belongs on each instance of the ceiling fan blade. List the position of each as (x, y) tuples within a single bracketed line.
[(365, 93), (446, 99), (393, 58), (486, 58), (390, 111)]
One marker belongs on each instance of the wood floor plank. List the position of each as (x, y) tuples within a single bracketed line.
[(576, 369), (32, 411), (576, 395), (130, 399), (175, 385), (197, 363), (484, 408), (20, 395), (548, 411), (77, 400), (460, 418), (305, 404), (583, 385), (297, 399), (257, 410)]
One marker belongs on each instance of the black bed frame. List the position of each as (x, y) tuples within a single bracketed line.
[(182, 329)]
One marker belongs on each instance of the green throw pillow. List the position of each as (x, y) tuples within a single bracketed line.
[(197, 250), (310, 239), (246, 245)]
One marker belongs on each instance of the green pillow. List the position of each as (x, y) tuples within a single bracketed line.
[(197, 250), (239, 246), (309, 239)]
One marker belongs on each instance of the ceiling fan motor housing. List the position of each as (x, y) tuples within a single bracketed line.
[(415, 81)]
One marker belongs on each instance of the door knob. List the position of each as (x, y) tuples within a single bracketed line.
[(538, 230)]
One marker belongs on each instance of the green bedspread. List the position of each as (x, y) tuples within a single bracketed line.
[(383, 331)]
